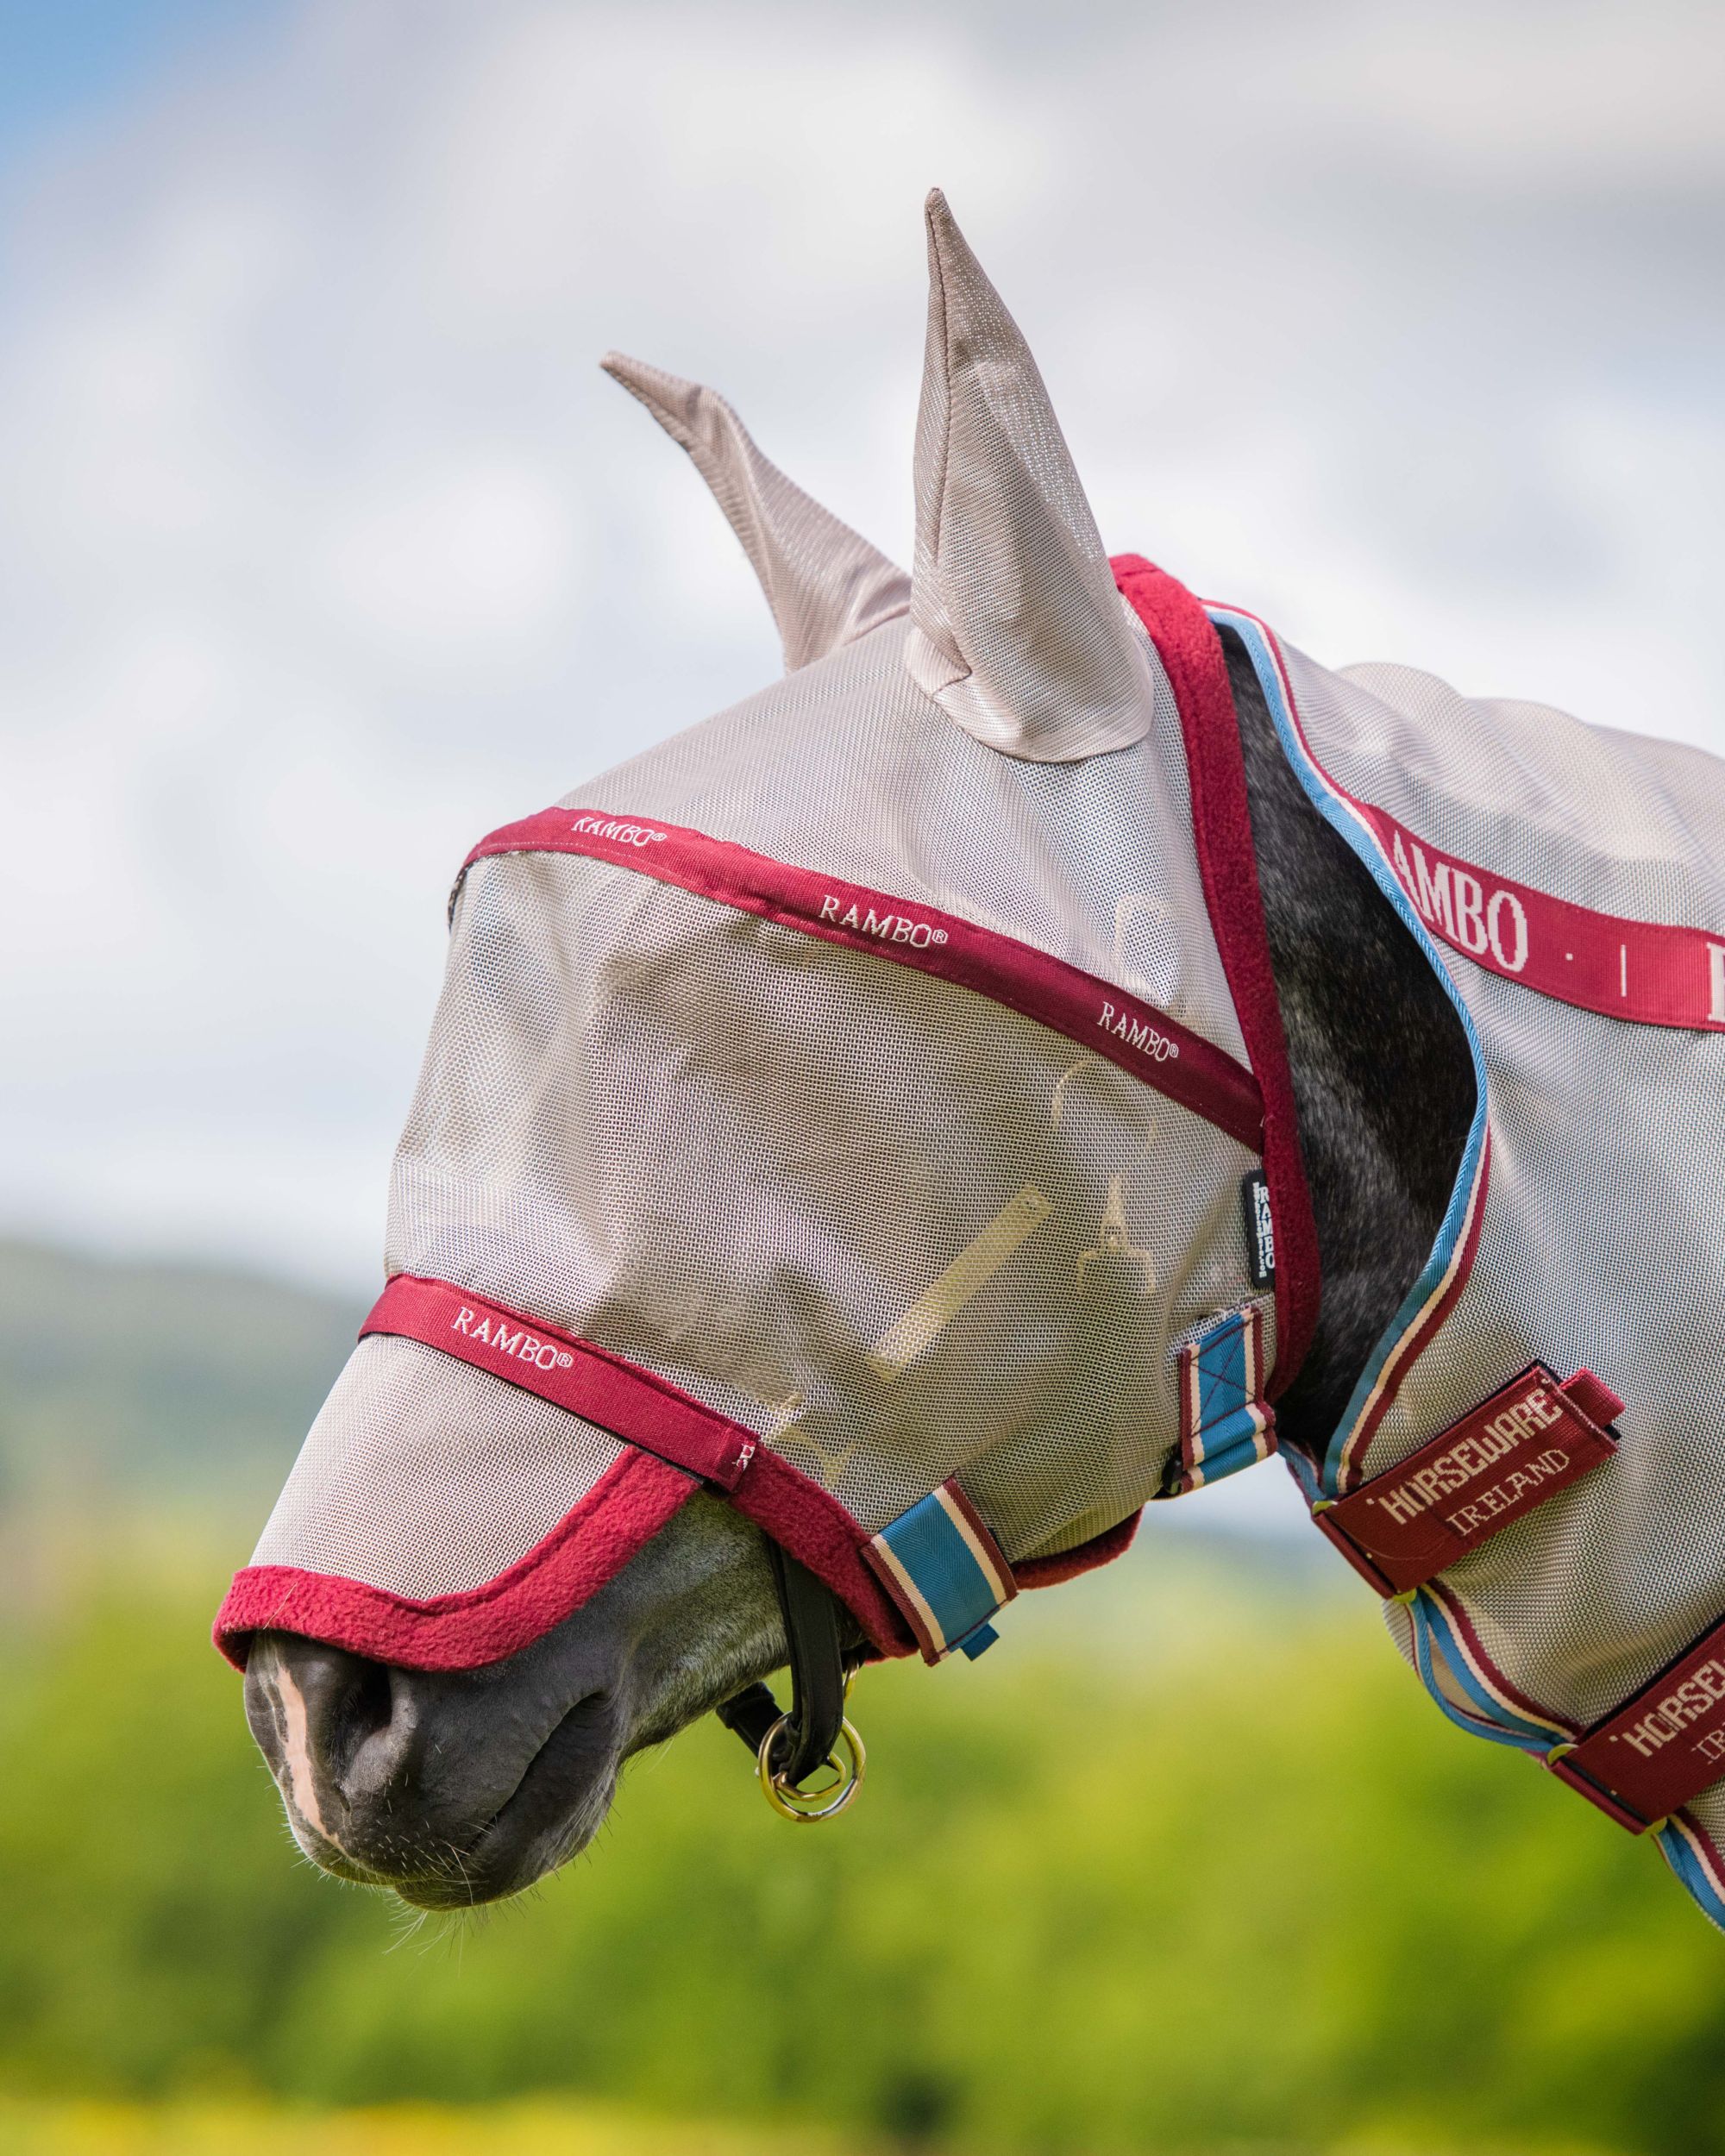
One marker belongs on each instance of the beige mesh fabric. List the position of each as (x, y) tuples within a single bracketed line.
[(863, 1210), (1015, 626), (824, 583), (1599, 1244)]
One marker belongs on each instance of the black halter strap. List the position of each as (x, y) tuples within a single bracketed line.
[(814, 1630)]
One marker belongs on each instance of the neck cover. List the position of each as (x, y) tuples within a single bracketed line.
[(830, 1109), (1548, 868)]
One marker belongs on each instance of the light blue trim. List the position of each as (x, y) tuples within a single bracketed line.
[(1342, 819), (1687, 1867), (1235, 1442), (1492, 1720), (1232, 1420)]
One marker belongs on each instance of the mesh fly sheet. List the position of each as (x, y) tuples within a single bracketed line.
[(1562, 878)]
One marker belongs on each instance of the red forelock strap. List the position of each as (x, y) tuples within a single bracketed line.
[(1191, 653), (571, 1373)]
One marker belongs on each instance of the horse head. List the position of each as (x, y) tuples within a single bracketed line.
[(842, 1179)]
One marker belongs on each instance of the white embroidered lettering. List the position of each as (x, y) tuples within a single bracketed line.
[(1507, 901)]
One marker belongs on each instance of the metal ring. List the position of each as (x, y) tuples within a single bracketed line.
[(787, 1799)]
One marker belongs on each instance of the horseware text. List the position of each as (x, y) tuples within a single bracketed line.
[(1664, 1748), (1694, 1697), (1453, 1471), (1529, 1441)]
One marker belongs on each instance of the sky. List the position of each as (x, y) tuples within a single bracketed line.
[(324, 546)]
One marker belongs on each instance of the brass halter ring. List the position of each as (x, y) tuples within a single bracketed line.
[(807, 1806)]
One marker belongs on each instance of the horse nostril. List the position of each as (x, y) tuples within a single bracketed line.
[(317, 1713)]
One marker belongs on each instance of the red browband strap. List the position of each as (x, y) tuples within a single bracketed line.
[(1100, 1017)]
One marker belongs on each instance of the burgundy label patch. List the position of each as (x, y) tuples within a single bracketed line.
[(1668, 1744), (571, 1373), (1506, 1457)]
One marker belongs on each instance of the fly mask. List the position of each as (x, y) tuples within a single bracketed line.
[(870, 1104)]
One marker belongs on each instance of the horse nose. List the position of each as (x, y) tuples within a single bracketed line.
[(340, 1735)]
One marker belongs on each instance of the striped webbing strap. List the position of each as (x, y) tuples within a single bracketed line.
[(945, 1571), (1225, 1423)]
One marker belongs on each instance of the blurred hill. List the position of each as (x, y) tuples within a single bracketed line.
[(124, 1382)]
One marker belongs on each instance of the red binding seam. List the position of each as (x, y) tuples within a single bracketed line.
[(1191, 655), (1154, 1047)]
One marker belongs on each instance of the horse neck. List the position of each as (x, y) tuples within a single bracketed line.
[(1382, 1078)]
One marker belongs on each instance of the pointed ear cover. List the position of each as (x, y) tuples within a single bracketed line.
[(1017, 629), (824, 583)]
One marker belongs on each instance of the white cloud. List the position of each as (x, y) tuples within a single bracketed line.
[(324, 547)]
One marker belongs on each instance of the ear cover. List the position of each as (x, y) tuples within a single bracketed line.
[(1017, 628), (825, 583)]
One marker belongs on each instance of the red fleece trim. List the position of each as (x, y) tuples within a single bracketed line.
[(1191, 653), (1103, 1019), (629, 1504), (820, 1533), (1067, 1564)]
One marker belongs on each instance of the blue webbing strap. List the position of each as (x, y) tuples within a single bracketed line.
[(945, 1571), (1225, 1424)]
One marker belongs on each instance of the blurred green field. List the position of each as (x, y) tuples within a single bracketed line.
[(219, 2130), (1185, 1864)]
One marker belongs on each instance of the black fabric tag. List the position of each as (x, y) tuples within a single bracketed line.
[(1260, 1229)]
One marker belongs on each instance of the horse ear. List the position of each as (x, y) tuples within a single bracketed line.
[(824, 583), (1017, 628)]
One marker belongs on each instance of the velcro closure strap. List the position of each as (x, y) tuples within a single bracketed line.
[(1225, 1423), (945, 1571), (1498, 1461), (571, 1373), (1661, 1748)]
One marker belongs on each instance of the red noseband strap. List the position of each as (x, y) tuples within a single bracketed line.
[(571, 1373)]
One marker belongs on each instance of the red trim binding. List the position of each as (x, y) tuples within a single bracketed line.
[(1085, 1557), (1646, 971), (569, 1372), (1191, 653), (1104, 1018), (1414, 1343), (629, 1504)]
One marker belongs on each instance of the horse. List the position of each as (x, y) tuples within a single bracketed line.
[(1055, 1047)]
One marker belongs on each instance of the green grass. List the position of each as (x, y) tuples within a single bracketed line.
[(1187, 1862)]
